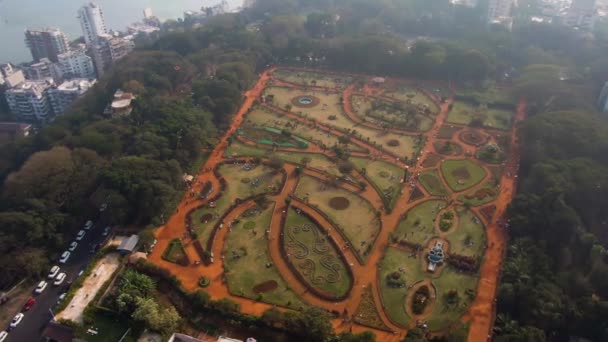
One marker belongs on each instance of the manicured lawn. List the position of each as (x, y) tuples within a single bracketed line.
[(470, 238), (480, 196), (393, 299), (405, 144), (389, 115), (306, 78), (417, 97), (175, 253), (367, 314), (431, 182), (261, 116), (489, 95), (462, 174), (418, 226), (237, 187), (309, 250), (109, 328), (358, 221), (463, 112), (385, 176), (237, 149), (246, 259), (444, 314), (317, 161)]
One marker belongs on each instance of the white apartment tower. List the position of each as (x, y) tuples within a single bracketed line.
[(92, 22), (29, 101), (63, 96), (75, 64), (46, 43)]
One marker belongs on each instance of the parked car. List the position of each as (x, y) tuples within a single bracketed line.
[(88, 225), (16, 320), (64, 257), (53, 272), (60, 278), (73, 246), (3, 335), (103, 207), (41, 286), (80, 235), (106, 231), (28, 305)]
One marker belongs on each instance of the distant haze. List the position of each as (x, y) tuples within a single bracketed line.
[(17, 15)]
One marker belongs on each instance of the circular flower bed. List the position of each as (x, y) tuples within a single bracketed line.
[(339, 203), (203, 281), (474, 138), (393, 143), (305, 101)]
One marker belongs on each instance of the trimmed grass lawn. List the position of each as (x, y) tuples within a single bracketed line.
[(389, 116), (417, 97), (486, 189), (109, 328), (385, 176), (463, 112), (317, 161), (261, 116), (470, 237), (358, 222), (407, 144), (175, 252), (462, 174), (418, 226), (490, 95), (246, 257), (306, 78), (444, 314), (238, 149), (234, 175), (393, 299), (310, 251), (432, 183)]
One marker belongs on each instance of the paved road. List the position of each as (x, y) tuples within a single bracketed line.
[(32, 325)]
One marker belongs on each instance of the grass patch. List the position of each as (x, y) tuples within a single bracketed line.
[(310, 251), (465, 113), (246, 260), (358, 222), (238, 149), (386, 114), (307, 78), (176, 253), (447, 312), (432, 183), (393, 298), (416, 96), (462, 174), (418, 225), (470, 238), (109, 327), (386, 177), (480, 196)]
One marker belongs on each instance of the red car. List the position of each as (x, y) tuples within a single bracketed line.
[(28, 305)]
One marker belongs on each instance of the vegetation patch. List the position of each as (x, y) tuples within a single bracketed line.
[(480, 196), (462, 174), (418, 225), (472, 137), (416, 194), (455, 291), (448, 148), (431, 182), (431, 160), (367, 313), (421, 299), (176, 253), (204, 281), (339, 203), (448, 131)]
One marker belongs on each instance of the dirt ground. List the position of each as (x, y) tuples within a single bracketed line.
[(102, 272)]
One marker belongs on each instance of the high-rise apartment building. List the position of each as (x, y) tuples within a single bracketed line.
[(75, 64), (47, 43), (108, 50), (92, 22), (41, 70), (29, 101), (62, 96)]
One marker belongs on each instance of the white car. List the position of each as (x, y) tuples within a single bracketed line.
[(3, 335), (80, 235), (106, 231), (53, 272), (41, 286), (64, 257), (61, 297), (103, 207), (73, 246), (60, 278), (16, 320), (88, 225)]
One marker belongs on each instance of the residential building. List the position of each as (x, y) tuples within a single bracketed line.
[(29, 101), (62, 96), (92, 22), (582, 14), (108, 50), (40, 70), (12, 76), (75, 64), (46, 43), (498, 9)]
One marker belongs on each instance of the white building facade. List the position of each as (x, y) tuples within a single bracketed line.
[(63, 96), (92, 22), (29, 100), (75, 64)]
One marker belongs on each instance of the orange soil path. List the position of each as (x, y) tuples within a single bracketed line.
[(480, 313)]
